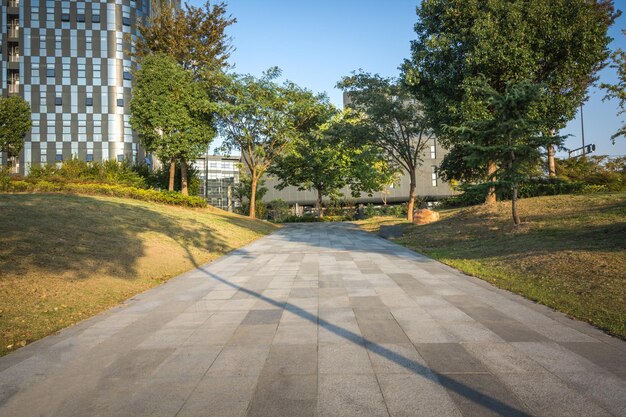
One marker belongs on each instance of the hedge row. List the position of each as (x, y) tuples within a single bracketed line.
[(164, 197)]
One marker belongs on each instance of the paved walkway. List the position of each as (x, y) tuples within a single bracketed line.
[(320, 320)]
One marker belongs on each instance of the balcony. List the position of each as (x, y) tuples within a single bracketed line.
[(14, 56), (14, 31), (14, 87)]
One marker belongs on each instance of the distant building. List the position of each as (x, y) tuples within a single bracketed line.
[(429, 185), (218, 175), (72, 61)]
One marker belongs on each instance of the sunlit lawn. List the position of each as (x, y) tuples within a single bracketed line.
[(570, 252), (65, 258)]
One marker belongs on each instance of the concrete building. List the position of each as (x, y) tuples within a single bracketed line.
[(429, 185), (72, 61)]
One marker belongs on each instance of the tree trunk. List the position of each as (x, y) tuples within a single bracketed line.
[(551, 165), (253, 183), (412, 186), (516, 219), (320, 209), (491, 195), (172, 174), (184, 187)]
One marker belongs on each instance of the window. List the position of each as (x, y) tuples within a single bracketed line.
[(120, 102), (65, 17), (433, 176), (95, 18), (120, 158), (80, 18), (89, 101), (127, 75), (126, 21), (89, 157), (58, 101), (59, 157), (433, 152), (50, 72)]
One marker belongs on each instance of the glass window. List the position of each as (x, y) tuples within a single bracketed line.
[(120, 102), (59, 157), (126, 21), (89, 157), (80, 17), (433, 176), (65, 17), (95, 18), (127, 75), (58, 101), (120, 158), (50, 72), (89, 101)]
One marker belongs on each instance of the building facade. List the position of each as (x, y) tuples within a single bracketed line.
[(73, 62), (218, 177)]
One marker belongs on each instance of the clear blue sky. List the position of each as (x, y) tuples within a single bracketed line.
[(315, 43)]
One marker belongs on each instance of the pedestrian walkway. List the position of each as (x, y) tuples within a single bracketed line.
[(320, 320)]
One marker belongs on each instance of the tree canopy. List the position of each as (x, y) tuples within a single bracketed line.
[(194, 36), (618, 90), (327, 158), (559, 43), (15, 122)]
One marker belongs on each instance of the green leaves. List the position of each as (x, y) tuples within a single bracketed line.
[(15, 122), (171, 112)]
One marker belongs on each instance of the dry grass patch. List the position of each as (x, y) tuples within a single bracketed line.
[(65, 258), (569, 254)]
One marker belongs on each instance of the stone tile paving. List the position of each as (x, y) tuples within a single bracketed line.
[(320, 320)]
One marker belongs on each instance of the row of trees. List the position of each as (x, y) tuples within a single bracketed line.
[(493, 81)]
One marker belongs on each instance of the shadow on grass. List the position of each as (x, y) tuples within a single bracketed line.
[(81, 236)]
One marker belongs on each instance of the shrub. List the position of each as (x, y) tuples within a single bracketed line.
[(5, 178), (164, 197), (277, 210), (75, 170), (17, 186)]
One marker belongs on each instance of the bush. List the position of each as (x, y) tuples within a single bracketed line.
[(5, 179), (75, 170), (164, 197), (277, 210)]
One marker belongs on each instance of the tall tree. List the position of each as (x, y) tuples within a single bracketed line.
[(196, 38), (618, 90), (393, 120), (559, 43), (507, 132), (261, 118), (170, 112), (15, 122), (326, 159)]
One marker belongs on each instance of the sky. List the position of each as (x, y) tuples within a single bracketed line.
[(315, 43)]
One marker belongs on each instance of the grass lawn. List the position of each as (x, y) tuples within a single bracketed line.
[(64, 258), (569, 254)]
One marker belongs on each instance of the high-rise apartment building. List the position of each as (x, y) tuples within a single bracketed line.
[(73, 62)]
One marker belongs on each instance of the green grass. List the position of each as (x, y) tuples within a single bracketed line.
[(64, 258), (569, 253)]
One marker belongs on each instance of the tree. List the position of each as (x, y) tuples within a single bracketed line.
[(242, 192), (393, 120), (261, 119), (618, 90), (15, 122), (326, 159), (196, 38), (171, 113), (510, 134), (460, 41)]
